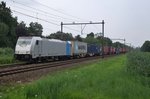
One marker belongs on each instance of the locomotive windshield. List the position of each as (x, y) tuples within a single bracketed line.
[(24, 42)]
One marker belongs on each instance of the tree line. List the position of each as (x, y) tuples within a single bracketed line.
[(10, 29), (146, 46)]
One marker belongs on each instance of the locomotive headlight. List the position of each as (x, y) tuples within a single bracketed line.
[(27, 52), (17, 52)]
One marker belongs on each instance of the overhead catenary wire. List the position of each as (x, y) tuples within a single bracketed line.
[(36, 17), (61, 12), (42, 19), (38, 13), (48, 14), (41, 10), (57, 10)]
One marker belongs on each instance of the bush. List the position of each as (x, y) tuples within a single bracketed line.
[(6, 55), (6, 51), (6, 59), (138, 62)]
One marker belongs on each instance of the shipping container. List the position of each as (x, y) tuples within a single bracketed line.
[(78, 48), (93, 49), (68, 48), (117, 50), (106, 50)]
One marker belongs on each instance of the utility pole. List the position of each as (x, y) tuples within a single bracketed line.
[(103, 38), (88, 23), (61, 30), (124, 45)]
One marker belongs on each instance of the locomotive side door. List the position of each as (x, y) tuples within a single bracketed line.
[(38, 48)]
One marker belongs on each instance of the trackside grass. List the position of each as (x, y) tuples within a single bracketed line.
[(106, 79)]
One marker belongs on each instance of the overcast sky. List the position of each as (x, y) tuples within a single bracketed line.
[(129, 19)]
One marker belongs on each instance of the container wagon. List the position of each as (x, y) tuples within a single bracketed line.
[(79, 49), (93, 50), (106, 50), (117, 50)]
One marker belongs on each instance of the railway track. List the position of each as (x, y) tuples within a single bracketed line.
[(31, 67), (13, 65)]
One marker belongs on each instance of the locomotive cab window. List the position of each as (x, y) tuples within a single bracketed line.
[(37, 42)]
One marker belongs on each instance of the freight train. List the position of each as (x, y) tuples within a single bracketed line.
[(40, 49)]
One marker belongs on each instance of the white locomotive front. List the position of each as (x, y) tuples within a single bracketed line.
[(24, 46)]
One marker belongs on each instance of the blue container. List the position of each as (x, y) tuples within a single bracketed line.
[(68, 48), (93, 49)]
